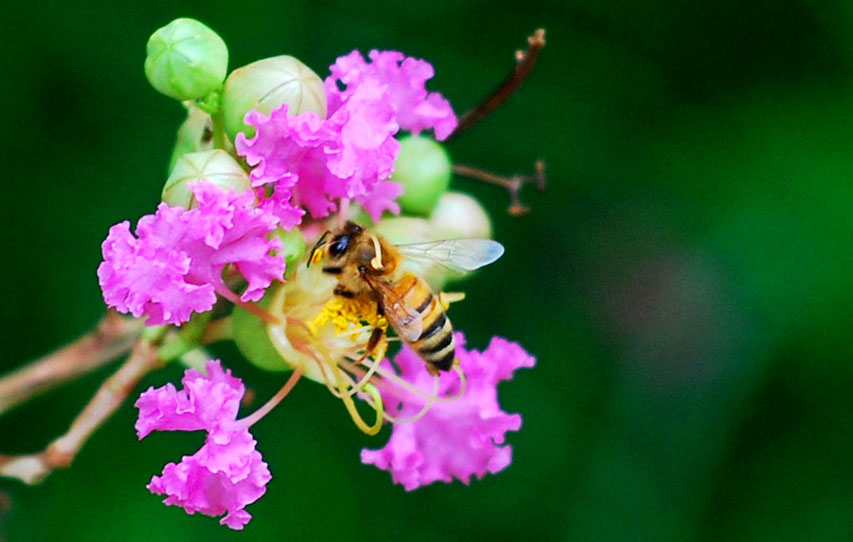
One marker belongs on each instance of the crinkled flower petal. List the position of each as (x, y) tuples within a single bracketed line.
[(204, 402), (280, 204), (382, 198), (143, 278), (456, 439), (220, 478), (405, 79), (174, 266), (315, 162), (365, 151), (227, 473), (280, 149)]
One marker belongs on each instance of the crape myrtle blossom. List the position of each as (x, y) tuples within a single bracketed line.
[(405, 77), (351, 153), (458, 438), (173, 267), (227, 472), (302, 167)]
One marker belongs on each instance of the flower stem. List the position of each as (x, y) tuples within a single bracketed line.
[(252, 418), (512, 184), (33, 468), (524, 61), (112, 336), (220, 137), (251, 307)]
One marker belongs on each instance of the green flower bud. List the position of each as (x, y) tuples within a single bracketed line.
[(424, 169), (458, 216), (266, 85), (251, 337), (294, 249), (216, 166), (186, 60), (195, 134)]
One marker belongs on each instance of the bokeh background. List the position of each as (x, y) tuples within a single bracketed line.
[(684, 283)]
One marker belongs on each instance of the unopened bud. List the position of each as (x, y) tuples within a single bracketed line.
[(460, 216), (268, 84), (216, 166), (424, 170), (186, 60)]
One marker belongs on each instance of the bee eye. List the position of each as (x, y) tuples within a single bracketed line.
[(339, 246)]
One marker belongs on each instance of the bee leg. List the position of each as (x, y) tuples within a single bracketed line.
[(446, 298), (372, 343), (343, 292), (433, 370)]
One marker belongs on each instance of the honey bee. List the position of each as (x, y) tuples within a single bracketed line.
[(365, 263)]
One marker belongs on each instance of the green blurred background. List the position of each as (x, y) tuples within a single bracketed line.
[(684, 283)]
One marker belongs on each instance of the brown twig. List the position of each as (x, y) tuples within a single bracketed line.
[(510, 184), (33, 468), (113, 336), (524, 61)]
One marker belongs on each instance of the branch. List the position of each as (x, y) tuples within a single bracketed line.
[(512, 184), (524, 61), (112, 337), (34, 468)]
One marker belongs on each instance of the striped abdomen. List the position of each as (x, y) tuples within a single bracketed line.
[(435, 345)]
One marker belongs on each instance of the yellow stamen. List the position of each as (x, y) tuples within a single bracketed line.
[(364, 379), (462, 383), (350, 315), (422, 411), (390, 377), (353, 412)]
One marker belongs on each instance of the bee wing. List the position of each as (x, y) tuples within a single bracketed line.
[(461, 255), (406, 321)]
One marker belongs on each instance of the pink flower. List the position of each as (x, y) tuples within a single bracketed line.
[(227, 473), (405, 78), (316, 162), (364, 150), (174, 266), (459, 438), (382, 198)]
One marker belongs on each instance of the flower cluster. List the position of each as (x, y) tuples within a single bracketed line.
[(350, 154), (239, 208), (175, 266)]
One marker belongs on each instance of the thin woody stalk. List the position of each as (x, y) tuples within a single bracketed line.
[(33, 468), (113, 336), (524, 65), (512, 184)]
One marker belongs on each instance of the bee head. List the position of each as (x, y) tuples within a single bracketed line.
[(340, 242)]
